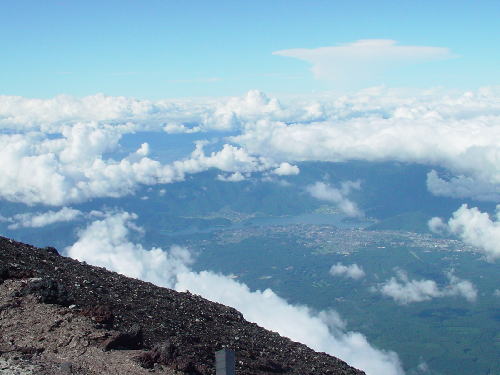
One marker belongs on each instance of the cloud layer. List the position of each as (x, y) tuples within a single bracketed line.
[(377, 126), (57, 151), (106, 243), (37, 168)]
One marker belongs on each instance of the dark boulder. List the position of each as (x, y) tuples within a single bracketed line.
[(131, 339), (49, 291), (4, 273)]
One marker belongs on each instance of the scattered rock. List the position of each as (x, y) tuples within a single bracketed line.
[(195, 328)]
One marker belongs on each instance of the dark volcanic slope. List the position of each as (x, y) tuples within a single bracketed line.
[(194, 327)]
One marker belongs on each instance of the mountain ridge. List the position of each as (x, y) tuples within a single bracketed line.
[(167, 330)]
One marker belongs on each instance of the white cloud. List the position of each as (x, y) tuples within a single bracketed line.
[(172, 116), (228, 159), (180, 128), (496, 293), (353, 271), (387, 125), (299, 323), (463, 187), (437, 225), (54, 150), (49, 115), (234, 177), (73, 168), (473, 227), (405, 291), (106, 243), (286, 169), (37, 219), (37, 168), (423, 367), (236, 111), (325, 192), (363, 58)]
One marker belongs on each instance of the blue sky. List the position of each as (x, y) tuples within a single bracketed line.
[(163, 49)]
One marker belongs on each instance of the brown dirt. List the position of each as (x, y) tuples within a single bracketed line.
[(39, 339)]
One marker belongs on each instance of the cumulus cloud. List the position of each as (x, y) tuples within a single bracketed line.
[(362, 58), (37, 219), (228, 159), (60, 144), (462, 187), (37, 168), (405, 291), (381, 124), (286, 169), (56, 151), (234, 177), (73, 168), (173, 128), (382, 139), (325, 192), (473, 227), (173, 116), (237, 110), (353, 271), (49, 114), (106, 243), (437, 225)]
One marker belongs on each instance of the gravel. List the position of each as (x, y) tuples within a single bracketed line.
[(190, 327)]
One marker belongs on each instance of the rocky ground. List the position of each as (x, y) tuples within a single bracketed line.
[(60, 316)]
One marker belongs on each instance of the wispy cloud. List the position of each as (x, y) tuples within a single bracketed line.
[(338, 196), (41, 219)]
